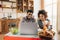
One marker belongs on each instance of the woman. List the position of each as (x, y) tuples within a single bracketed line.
[(44, 23), (42, 19)]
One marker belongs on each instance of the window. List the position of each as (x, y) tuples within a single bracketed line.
[(51, 7)]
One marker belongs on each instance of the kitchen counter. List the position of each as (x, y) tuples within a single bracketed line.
[(10, 36)]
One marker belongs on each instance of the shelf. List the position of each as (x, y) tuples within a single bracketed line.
[(30, 6), (9, 1), (24, 5), (30, 0), (9, 7)]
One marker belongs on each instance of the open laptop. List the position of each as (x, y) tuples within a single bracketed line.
[(28, 28)]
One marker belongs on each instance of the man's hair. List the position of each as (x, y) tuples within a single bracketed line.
[(42, 12), (29, 11)]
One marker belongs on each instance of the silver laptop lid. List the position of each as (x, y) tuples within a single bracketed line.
[(28, 28)]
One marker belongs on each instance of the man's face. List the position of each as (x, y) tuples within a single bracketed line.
[(29, 14), (41, 17)]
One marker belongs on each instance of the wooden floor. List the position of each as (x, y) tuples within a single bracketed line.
[(1, 36)]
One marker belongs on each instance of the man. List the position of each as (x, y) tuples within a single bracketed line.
[(29, 17)]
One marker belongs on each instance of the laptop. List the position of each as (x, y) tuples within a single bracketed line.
[(28, 28)]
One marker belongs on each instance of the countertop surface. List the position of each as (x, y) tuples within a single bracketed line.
[(18, 35)]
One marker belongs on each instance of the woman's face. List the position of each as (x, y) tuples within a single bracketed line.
[(41, 17)]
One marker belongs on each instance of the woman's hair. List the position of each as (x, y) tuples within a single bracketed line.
[(42, 12)]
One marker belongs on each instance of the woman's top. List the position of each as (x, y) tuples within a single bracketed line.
[(40, 23)]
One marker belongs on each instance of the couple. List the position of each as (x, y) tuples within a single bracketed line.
[(42, 18), (42, 21)]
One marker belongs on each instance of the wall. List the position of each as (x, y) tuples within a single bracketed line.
[(58, 18), (37, 7), (58, 15)]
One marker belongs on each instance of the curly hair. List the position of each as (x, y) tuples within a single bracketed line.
[(42, 12)]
